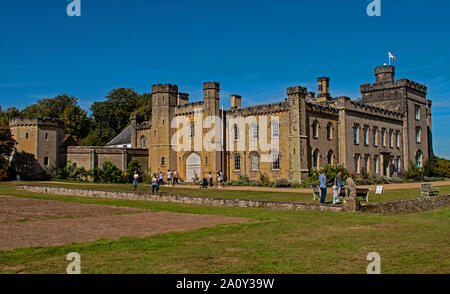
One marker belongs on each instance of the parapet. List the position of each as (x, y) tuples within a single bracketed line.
[(164, 88), (296, 90), (35, 121), (211, 85)]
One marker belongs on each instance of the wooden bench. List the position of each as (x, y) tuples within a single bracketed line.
[(426, 190)]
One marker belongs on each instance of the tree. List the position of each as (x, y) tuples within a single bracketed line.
[(50, 107), (7, 144), (113, 115), (7, 114), (76, 121)]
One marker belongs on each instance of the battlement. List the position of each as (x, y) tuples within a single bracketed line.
[(165, 88), (385, 74), (36, 121), (211, 85), (261, 109), (296, 90)]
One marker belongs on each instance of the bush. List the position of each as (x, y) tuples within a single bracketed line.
[(332, 171), (264, 180), (282, 183)]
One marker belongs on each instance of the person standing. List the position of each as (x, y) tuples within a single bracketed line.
[(210, 180), (169, 177), (161, 178), (175, 178), (323, 187), (135, 179), (338, 183), (155, 184)]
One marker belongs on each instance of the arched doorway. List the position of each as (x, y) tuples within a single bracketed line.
[(193, 167)]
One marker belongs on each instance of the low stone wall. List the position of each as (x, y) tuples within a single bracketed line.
[(177, 198), (407, 206)]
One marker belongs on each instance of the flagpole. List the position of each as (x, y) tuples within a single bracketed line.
[(389, 57)]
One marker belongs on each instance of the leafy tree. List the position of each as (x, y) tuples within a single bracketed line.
[(76, 121), (113, 115), (7, 114), (50, 107), (7, 144)]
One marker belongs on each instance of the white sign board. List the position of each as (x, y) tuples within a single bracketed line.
[(379, 190)]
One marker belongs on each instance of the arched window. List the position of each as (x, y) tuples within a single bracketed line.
[(419, 158), (315, 129), (275, 160), (330, 157), (26, 135), (46, 161), (163, 161), (237, 162), (236, 132), (329, 131), (356, 134), (316, 159), (143, 142), (46, 136), (375, 164), (275, 127), (254, 130), (255, 161)]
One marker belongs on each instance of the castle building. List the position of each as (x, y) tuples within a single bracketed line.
[(378, 134)]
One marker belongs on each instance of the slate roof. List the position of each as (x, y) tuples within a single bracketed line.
[(122, 138)]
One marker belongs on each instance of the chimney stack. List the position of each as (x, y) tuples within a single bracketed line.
[(323, 94), (236, 101)]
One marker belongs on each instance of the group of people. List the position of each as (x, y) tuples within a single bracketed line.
[(158, 180), (210, 181), (338, 184)]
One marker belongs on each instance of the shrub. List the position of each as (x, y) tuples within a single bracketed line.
[(282, 183), (396, 180), (264, 179)]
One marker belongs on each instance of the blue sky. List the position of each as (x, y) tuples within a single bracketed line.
[(253, 48)]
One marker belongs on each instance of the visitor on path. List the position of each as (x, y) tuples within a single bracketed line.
[(335, 194), (204, 183), (220, 179), (175, 178), (155, 184), (169, 177), (161, 179), (210, 180), (323, 187), (135, 179), (338, 182)]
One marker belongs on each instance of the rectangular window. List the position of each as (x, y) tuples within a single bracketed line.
[(375, 165), (192, 130), (254, 132), (275, 160), (366, 164), (417, 112), (391, 139), (275, 130), (366, 136), (383, 138), (356, 134), (375, 137), (357, 164), (397, 140), (418, 135)]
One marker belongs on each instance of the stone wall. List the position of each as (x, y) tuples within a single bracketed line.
[(408, 206), (176, 198)]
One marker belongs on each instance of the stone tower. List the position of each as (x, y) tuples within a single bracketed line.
[(40, 138), (213, 160), (408, 98), (298, 144), (164, 100)]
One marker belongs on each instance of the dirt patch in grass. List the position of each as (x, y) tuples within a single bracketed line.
[(13, 209), (64, 231)]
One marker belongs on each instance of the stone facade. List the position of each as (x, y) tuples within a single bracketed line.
[(379, 133)]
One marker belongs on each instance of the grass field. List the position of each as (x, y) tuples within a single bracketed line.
[(272, 242), (389, 195)]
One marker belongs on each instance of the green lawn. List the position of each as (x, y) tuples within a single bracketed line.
[(273, 242), (389, 195)]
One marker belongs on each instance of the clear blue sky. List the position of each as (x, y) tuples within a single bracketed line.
[(253, 48)]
